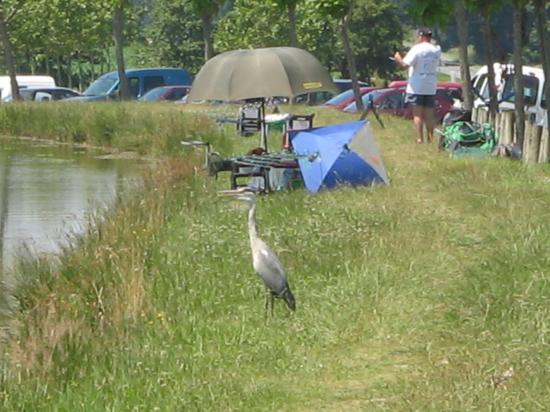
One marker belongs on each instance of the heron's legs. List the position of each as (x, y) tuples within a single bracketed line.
[(269, 302), (267, 293)]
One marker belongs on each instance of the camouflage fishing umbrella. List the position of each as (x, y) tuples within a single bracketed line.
[(260, 73)]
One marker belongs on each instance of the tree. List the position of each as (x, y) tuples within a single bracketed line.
[(7, 12), (290, 7), (207, 11), (519, 100), (342, 10), (461, 20), (63, 46), (486, 8), (250, 24), (374, 29), (118, 36), (376, 32), (544, 40), (173, 37)]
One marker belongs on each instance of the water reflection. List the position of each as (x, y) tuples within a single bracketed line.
[(48, 192)]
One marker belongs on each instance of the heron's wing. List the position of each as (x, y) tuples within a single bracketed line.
[(269, 268)]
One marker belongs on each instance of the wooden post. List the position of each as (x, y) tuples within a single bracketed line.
[(499, 126), (484, 115), (475, 116), (544, 151), (508, 130), (531, 143)]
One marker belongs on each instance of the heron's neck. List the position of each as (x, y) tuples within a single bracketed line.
[(252, 229)]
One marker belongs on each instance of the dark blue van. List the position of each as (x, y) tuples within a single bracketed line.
[(140, 81)]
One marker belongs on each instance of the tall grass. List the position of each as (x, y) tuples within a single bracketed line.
[(143, 128), (428, 294)]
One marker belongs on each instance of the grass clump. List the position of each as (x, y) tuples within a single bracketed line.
[(427, 294)]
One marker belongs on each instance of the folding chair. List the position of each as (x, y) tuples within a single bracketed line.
[(296, 122), (249, 120)]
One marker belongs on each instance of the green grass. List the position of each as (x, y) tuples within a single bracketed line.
[(139, 127), (428, 294)]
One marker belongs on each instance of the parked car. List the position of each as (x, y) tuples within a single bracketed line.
[(166, 93), (392, 101), (346, 98), (313, 98), (454, 89), (140, 82), (317, 98), (23, 82), (41, 94), (533, 89), (345, 84)]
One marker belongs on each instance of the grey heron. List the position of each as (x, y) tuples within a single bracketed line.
[(265, 262)]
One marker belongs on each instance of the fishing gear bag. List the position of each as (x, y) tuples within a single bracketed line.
[(465, 138)]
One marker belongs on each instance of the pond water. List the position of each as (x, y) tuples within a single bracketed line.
[(48, 192)]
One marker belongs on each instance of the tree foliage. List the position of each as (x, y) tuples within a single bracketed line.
[(79, 32), (173, 37), (375, 32)]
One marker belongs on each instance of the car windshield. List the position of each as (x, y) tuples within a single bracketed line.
[(340, 98), (153, 94), (26, 94), (101, 86), (530, 89), (372, 96)]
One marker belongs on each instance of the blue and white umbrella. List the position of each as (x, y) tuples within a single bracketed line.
[(344, 153)]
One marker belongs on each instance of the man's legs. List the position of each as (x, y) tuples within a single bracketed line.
[(418, 123), (429, 119)]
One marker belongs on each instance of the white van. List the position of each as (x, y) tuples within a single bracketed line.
[(533, 89), (23, 82)]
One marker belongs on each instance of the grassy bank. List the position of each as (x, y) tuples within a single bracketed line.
[(139, 127), (429, 294)]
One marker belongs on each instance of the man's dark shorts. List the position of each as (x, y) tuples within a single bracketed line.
[(424, 100)]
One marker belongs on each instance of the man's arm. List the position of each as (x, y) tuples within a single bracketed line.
[(399, 60)]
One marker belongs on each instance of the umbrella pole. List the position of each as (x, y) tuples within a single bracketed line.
[(263, 126)]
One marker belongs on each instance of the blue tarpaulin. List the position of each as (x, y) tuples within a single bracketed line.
[(344, 153)]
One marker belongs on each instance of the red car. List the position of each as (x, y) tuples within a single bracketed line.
[(392, 101), (166, 93), (344, 99), (454, 88)]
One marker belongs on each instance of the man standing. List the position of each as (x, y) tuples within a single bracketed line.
[(422, 61)]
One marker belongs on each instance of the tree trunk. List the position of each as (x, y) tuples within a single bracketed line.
[(293, 38), (207, 36), (344, 26), (8, 54), (70, 73), (80, 82), (118, 35), (58, 70), (493, 99), (544, 51), (32, 64), (518, 72), (462, 25)]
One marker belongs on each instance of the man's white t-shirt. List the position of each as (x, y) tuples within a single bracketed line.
[(422, 59)]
